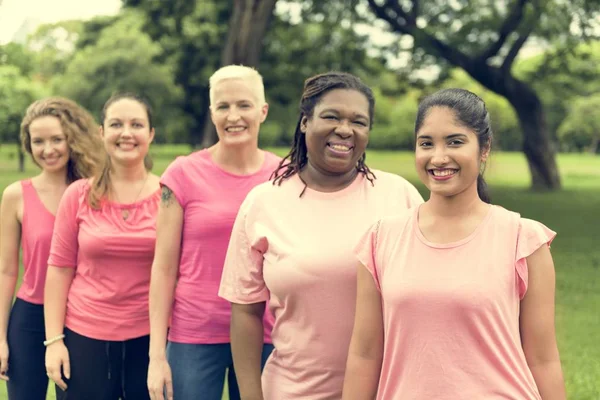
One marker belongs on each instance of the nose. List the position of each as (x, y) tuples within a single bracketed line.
[(233, 114), (343, 129), (439, 158)]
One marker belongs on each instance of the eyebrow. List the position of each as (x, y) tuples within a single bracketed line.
[(356, 115), (451, 136)]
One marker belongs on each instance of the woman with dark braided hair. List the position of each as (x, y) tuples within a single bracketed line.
[(292, 242)]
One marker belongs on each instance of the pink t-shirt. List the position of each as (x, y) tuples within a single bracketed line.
[(451, 311), (36, 234), (300, 250), (108, 299), (210, 198)]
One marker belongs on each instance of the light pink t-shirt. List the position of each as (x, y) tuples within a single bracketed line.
[(451, 311), (36, 234), (108, 299), (300, 250), (210, 198)]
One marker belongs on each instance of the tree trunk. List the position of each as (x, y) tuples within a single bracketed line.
[(537, 145), (21, 157), (595, 146), (247, 28)]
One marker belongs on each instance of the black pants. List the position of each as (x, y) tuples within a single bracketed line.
[(106, 370), (26, 360)]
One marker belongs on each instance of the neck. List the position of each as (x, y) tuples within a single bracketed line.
[(317, 179), (54, 178), (129, 173), (237, 158), (457, 206)]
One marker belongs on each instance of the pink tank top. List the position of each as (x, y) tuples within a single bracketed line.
[(36, 235)]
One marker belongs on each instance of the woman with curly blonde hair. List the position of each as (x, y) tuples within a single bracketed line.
[(63, 140)]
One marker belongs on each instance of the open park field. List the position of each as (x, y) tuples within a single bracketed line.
[(573, 212)]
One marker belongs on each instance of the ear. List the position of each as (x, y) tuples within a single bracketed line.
[(264, 111), (212, 117), (303, 123), (486, 152), (152, 133), (101, 130)]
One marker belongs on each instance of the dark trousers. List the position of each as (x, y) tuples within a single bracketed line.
[(26, 362), (106, 370)]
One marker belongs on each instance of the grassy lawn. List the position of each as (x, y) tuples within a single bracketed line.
[(573, 212)]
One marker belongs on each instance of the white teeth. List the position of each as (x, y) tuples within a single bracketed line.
[(236, 129), (340, 147), (444, 172)]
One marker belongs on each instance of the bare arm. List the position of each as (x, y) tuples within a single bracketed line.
[(10, 234), (164, 269), (162, 287), (246, 346), (366, 347), (537, 326)]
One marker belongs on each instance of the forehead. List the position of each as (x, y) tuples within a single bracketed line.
[(46, 125), (345, 99), (126, 108), (234, 90), (442, 121)]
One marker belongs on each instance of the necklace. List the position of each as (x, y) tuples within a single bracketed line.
[(125, 212)]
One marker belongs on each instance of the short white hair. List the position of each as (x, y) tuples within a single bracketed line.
[(247, 74)]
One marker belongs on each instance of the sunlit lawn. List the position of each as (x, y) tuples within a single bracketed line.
[(573, 212)]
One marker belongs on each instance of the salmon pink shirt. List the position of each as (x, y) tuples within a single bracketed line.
[(210, 198), (451, 311), (295, 252), (112, 258), (36, 235)]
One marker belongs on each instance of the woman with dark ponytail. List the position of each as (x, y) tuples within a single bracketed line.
[(291, 246), (456, 297)]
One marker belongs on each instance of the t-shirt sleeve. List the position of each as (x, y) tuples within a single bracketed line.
[(65, 242), (175, 179), (532, 235), (365, 252), (242, 280)]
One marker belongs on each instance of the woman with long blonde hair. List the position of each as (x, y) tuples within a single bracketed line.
[(63, 141)]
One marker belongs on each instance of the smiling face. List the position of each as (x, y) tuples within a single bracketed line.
[(49, 146), (236, 112), (448, 156), (338, 131), (126, 131)]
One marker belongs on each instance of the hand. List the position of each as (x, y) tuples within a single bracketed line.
[(57, 360), (159, 378), (4, 360)]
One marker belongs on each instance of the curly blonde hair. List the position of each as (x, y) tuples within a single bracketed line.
[(79, 127)]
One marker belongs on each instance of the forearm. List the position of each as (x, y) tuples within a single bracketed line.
[(362, 377), (58, 282), (8, 284), (246, 345), (549, 380), (162, 289)]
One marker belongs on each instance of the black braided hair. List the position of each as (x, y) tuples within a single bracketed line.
[(315, 88)]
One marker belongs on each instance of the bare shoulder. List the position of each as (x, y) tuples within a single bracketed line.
[(13, 193), (12, 198)]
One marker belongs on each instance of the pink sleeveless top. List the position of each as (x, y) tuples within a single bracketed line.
[(36, 235)]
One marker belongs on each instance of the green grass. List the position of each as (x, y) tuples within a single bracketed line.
[(573, 212)]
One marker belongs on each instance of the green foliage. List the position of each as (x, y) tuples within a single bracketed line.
[(581, 128), (123, 59), (17, 92)]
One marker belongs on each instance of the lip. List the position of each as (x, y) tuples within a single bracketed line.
[(339, 147), (442, 177), (126, 145), (243, 129), (51, 161)]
